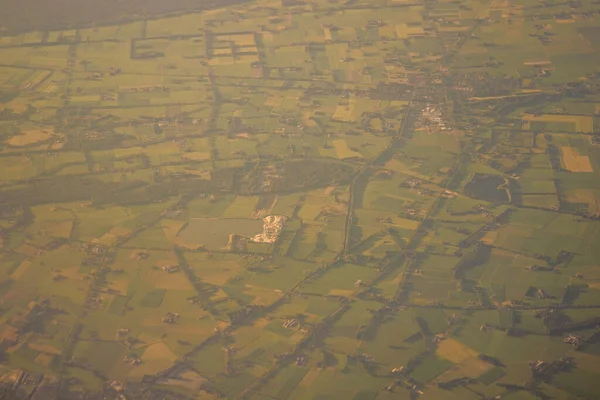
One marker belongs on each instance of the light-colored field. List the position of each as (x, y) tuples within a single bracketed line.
[(174, 281), (156, 357), (344, 113), (119, 285), (240, 40), (583, 123), (21, 269), (343, 151), (220, 52), (214, 233), (454, 351), (274, 100), (196, 156), (62, 229), (531, 63), (574, 162), (171, 227), (112, 236), (310, 377), (28, 138), (471, 367), (44, 359), (44, 348)]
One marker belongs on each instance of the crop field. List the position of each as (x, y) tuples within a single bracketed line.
[(435, 167)]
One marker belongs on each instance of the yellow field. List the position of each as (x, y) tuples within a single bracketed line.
[(44, 359), (583, 123), (532, 63), (119, 285), (89, 98), (29, 137), (454, 351), (573, 162), (220, 52), (196, 156), (21, 269), (344, 113), (171, 228), (111, 236), (343, 151), (156, 358), (240, 40), (273, 100), (471, 367), (175, 281), (44, 348)]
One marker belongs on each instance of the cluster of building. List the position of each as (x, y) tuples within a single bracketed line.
[(272, 226), (170, 318), (431, 116), (572, 339), (132, 360)]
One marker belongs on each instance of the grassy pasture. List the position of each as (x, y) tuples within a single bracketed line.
[(565, 123)]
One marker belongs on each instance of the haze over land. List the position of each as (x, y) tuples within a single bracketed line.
[(25, 15), (353, 200)]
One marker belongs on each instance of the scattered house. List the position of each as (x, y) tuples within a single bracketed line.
[(438, 338), (397, 371), (301, 360), (389, 388), (358, 283), (386, 220), (538, 366), (170, 269), (122, 332), (170, 318), (290, 323), (541, 294)]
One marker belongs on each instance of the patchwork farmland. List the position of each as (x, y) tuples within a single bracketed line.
[(296, 200)]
